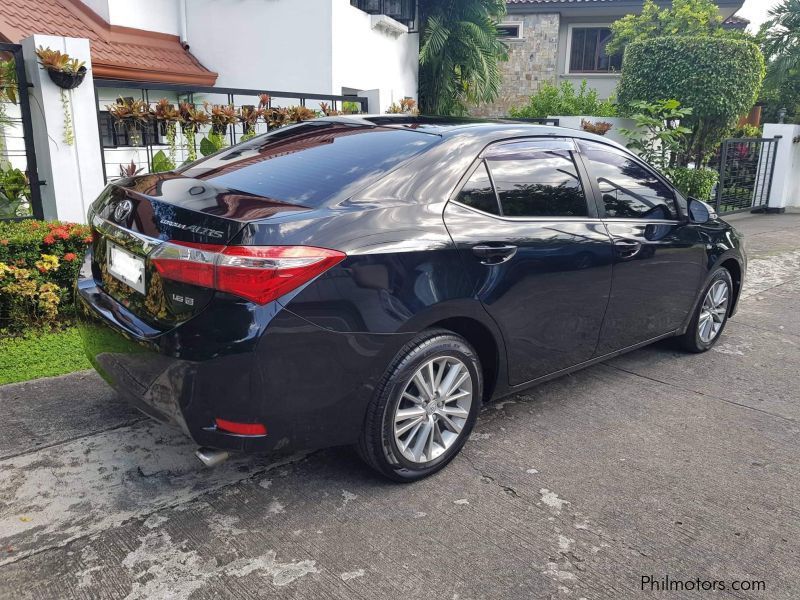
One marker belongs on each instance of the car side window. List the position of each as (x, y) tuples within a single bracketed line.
[(478, 192), (544, 183), (628, 189)]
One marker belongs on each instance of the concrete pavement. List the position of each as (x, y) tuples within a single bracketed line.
[(657, 464)]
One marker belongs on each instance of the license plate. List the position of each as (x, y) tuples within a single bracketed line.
[(126, 267)]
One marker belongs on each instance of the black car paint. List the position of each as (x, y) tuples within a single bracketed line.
[(307, 364)]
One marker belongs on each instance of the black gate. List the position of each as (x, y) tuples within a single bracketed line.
[(19, 180), (745, 174)]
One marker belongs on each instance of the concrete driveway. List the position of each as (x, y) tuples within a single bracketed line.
[(656, 464)]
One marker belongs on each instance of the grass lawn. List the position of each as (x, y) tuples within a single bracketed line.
[(41, 355)]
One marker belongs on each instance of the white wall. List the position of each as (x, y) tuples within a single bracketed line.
[(153, 15), (269, 44), (365, 58), (786, 179)]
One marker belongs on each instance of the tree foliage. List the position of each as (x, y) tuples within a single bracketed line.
[(690, 18), (459, 54), (565, 101), (780, 41), (719, 79), (659, 134)]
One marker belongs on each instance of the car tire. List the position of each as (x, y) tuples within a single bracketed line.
[(711, 315), (433, 356)]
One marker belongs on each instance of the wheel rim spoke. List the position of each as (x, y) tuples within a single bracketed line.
[(433, 409), (714, 312)]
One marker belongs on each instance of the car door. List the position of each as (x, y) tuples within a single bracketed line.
[(537, 252), (658, 255)]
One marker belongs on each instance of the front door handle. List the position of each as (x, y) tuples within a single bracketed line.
[(494, 255), (627, 248)]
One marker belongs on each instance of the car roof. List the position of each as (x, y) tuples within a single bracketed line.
[(491, 129)]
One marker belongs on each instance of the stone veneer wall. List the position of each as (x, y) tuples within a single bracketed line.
[(531, 61)]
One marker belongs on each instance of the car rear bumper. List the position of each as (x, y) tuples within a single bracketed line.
[(237, 361)]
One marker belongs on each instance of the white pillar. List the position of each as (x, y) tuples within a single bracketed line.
[(73, 173), (786, 178), (373, 101)]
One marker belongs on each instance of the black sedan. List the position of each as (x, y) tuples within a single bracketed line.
[(373, 280)]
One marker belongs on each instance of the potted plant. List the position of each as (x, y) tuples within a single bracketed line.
[(66, 72), (221, 115), (301, 113), (131, 115), (276, 117), (248, 116), (168, 116), (192, 119), (14, 192)]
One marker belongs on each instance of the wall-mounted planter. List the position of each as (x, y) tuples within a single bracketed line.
[(67, 80)]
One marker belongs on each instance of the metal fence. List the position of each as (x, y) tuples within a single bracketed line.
[(126, 151), (19, 180), (746, 168)]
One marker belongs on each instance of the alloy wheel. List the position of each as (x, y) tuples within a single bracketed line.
[(713, 312), (433, 409)]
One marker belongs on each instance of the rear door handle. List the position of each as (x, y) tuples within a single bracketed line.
[(494, 255), (627, 248)]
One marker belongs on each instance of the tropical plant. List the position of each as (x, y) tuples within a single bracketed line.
[(300, 113), (406, 106), (8, 80), (130, 170), (459, 54), (659, 136), (350, 108), (565, 101), (276, 117), (192, 119), (213, 142), (55, 60), (690, 18), (718, 78), (14, 191), (780, 37), (221, 115), (326, 110), (168, 115), (131, 114), (694, 183), (598, 127), (161, 162)]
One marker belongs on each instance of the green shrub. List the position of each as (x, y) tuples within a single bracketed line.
[(718, 78), (565, 101), (695, 183), (38, 265)]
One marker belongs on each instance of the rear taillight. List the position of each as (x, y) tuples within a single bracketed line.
[(257, 273)]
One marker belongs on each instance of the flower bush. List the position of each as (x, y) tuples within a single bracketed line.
[(38, 264)]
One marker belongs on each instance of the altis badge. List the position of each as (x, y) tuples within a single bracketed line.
[(214, 233)]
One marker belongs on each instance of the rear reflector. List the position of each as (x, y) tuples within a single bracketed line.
[(240, 428), (257, 273)]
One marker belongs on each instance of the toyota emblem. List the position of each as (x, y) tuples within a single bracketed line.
[(123, 210)]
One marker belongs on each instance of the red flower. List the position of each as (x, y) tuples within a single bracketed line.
[(42, 270), (49, 240), (70, 256), (87, 239), (3, 242), (62, 233)]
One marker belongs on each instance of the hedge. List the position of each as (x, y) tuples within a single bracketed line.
[(38, 265), (718, 78), (694, 183)]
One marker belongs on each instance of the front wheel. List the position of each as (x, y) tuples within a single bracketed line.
[(711, 315), (424, 407)]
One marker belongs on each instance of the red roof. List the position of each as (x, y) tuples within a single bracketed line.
[(117, 52)]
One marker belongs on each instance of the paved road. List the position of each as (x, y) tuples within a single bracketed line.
[(656, 463)]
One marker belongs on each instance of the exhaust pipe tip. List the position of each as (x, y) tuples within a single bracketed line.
[(211, 457)]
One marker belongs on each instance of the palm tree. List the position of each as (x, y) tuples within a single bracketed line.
[(782, 41), (459, 54)]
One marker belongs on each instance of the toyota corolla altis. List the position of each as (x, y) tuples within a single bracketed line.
[(373, 280)]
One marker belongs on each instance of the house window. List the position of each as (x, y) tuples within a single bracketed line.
[(399, 10), (509, 31), (588, 51)]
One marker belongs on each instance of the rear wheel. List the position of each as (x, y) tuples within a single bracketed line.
[(424, 407), (711, 315)]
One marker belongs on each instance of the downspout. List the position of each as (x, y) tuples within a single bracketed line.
[(182, 24)]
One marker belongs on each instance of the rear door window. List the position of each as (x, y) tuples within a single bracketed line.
[(543, 183), (311, 163), (478, 192)]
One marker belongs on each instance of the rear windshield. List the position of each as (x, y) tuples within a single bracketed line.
[(311, 163)]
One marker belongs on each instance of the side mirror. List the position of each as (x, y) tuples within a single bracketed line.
[(700, 212)]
